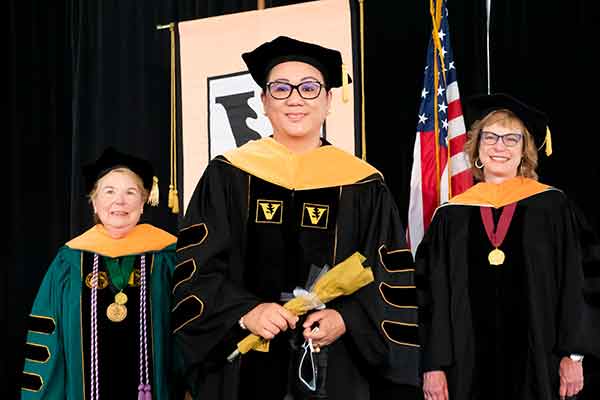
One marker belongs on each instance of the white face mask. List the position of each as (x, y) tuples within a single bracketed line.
[(308, 349)]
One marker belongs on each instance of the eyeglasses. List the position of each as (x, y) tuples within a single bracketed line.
[(509, 140), (307, 90)]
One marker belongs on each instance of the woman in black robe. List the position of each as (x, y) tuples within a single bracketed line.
[(499, 272)]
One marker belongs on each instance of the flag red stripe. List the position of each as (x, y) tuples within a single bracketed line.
[(428, 178), (454, 109), (429, 189), (461, 181), (457, 145)]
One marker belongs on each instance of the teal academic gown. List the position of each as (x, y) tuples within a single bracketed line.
[(57, 364)]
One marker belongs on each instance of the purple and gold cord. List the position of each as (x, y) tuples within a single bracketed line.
[(144, 388), (94, 386)]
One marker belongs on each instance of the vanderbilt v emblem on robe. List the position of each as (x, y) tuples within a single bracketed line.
[(269, 211), (315, 216)]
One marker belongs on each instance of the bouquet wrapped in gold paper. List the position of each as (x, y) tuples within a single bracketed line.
[(343, 279)]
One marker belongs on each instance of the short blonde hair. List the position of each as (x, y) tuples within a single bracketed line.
[(122, 170), (504, 117)]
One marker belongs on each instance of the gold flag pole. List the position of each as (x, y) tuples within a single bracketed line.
[(435, 9)]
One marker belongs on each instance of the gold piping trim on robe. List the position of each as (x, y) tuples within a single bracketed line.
[(39, 345), (82, 351), (395, 287), (191, 319), (39, 377), (189, 277), (151, 265), (367, 181), (335, 242), (398, 323), (248, 195), (150, 326), (201, 240), (391, 252), (44, 317)]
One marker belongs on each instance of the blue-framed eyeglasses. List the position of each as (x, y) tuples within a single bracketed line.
[(282, 90), (509, 140)]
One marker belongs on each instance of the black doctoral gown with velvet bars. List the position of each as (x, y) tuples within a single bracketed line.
[(590, 243), (499, 332), (259, 218)]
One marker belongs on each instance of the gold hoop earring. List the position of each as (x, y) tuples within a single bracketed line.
[(480, 165)]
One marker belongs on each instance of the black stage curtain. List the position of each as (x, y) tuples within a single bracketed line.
[(38, 167), (87, 74)]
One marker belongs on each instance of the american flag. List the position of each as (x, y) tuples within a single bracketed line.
[(441, 133)]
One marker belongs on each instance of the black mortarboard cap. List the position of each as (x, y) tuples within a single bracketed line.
[(111, 159), (536, 121), (283, 48)]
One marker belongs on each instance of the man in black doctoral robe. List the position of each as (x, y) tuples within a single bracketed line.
[(258, 220)]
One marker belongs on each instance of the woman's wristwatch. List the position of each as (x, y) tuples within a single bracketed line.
[(576, 357)]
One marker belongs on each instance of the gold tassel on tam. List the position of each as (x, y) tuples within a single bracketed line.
[(175, 208), (170, 201), (153, 197), (345, 96), (548, 142)]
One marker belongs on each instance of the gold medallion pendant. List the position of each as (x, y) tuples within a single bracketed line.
[(116, 312), (496, 257), (121, 298), (496, 235)]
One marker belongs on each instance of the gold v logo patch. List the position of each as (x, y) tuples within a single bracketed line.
[(269, 211), (315, 216)]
